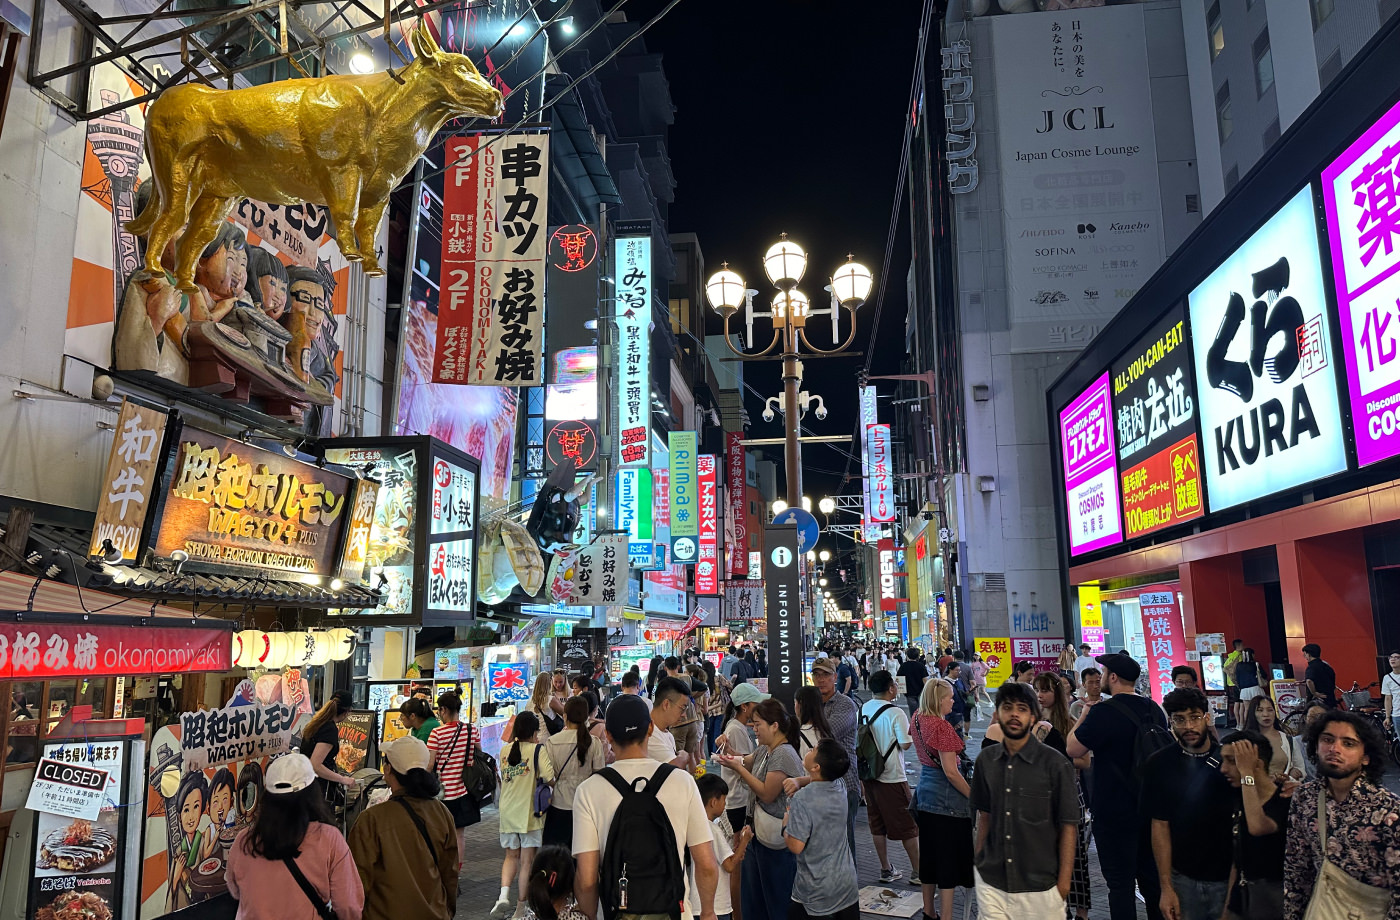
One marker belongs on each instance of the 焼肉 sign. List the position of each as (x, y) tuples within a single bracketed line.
[(1268, 392), (1359, 191), (1154, 398), (1091, 487)]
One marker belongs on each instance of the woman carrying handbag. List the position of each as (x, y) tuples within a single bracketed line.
[(452, 746)]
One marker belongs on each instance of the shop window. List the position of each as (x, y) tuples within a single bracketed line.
[(1223, 117), (1321, 11), (1215, 29), (1263, 63)]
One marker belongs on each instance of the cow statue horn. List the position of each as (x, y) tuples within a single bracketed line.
[(343, 141)]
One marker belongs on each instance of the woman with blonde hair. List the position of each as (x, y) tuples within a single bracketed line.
[(941, 800), (540, 699)]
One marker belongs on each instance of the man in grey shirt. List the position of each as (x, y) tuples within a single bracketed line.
[(842, 715), (1027, 817), (825, 884)]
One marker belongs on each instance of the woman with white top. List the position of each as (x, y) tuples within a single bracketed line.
[(811, 719), (576, 755), (1262, 716), (738, 740)]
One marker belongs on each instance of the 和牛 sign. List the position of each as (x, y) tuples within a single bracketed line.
[(1091, 488), (1154, 400), (1268, 392), (1363, 225)]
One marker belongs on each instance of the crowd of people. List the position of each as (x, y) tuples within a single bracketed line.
[(695, 794)]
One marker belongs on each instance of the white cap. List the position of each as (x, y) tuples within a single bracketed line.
[(407, 753), (289, 773)]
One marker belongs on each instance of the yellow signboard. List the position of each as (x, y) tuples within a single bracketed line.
[(1090, 611), (996, 654)]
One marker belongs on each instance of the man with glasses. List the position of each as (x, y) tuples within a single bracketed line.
[(1192, 807)]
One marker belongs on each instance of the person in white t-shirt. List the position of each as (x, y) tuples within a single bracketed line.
[(1085, 660), (730, 845), (1390, 690), (668, 706), (887, 796), (596, 801)]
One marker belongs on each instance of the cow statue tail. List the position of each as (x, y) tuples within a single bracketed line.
[(141, 224)]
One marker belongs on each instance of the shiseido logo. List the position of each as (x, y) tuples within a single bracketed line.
[(1052, 231)]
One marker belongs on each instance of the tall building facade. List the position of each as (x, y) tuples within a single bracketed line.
[(1052, 170)]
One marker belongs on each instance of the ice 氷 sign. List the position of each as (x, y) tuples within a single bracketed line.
[(1363, 224), (1091, 487)]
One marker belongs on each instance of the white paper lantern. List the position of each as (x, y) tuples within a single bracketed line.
[(322, 646), (279, 649), (303, 649), (253, 648), (342, 643)]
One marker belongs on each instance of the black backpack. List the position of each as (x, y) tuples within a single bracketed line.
[(632, 880), (1149, 737), (870, 760)]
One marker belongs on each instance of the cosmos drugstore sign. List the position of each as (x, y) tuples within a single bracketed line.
[(1270, 412)]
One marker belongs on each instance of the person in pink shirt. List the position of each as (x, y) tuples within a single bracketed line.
[(293, 858)]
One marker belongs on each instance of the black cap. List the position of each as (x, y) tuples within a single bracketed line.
[(1125, 666), (628, 718)]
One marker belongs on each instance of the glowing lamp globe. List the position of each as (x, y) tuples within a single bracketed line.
[(784, 264), (851, 283), (725, 291), (827, 505)]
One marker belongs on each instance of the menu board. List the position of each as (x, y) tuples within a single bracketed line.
[(357, 734), (80, 864), (1268, 392), (1154, 403), (1358, 189), (1091, 488)]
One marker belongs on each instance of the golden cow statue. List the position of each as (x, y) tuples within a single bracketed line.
[(343, 141)]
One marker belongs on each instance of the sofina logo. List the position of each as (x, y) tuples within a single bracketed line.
[(782, 557)]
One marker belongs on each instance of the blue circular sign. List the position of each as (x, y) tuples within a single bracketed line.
[(807, 529)]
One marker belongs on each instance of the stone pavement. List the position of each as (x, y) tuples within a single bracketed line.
[(481, 870)]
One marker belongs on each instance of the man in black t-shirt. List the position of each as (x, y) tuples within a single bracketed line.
[(1260, 828), (1322, 680), (1121, 830), (1192, 808), (914, 673)]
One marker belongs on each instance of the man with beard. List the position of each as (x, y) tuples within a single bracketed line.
[(1027, 817), (1362, 830), (1192, 807)]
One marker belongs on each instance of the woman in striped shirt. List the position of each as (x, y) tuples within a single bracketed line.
[(452, 746)]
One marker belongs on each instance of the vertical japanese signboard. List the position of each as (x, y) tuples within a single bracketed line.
[(632, 506), (736, 538), (632, 271), (129, 482), (707, 564), (783, 607), (1267, 390), (869, 416), (494, 242), (450, 596), (1154, 399), (891, 591), (1091, 619), (1363, 223), (684, 500), (1163, 633), (879, 483), (1091, 488)]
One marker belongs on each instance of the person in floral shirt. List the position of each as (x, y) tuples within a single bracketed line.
[(1363, 819)]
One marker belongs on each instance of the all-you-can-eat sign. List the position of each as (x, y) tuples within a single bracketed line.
[(1091, 487), (1363, 222)]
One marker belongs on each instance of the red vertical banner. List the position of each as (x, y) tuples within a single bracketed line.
[(736, 538), (1163, 633), (468, 225), (707, 565)]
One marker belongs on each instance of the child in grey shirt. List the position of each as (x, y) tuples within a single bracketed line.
[(825, 887)]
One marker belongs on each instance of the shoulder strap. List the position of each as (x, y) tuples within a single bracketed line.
[(446, 758), (418, 822), (653, 786), (323, 909), (623, 788), (1322, 820)]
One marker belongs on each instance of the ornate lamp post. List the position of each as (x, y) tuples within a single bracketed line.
[(785, 263)]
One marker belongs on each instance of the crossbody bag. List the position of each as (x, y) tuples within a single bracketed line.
[(322, 906), (1336, 895)]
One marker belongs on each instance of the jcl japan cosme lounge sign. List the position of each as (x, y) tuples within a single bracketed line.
[(232, 504)]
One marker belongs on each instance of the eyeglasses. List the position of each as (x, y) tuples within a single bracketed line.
[(1180, 719)]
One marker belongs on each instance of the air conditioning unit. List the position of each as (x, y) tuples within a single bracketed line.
[(986, 483)]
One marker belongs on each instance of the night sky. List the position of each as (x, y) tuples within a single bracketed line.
[(789, 118)]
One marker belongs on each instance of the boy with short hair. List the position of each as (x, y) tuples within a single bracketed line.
[(825, 886), (729, 846)]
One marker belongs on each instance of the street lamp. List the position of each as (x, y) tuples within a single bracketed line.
[(828, 505), (785, 263), (824, 555)]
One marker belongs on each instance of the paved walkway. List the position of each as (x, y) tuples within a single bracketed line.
[(481, 871)]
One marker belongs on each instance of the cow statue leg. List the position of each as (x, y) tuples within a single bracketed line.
[(172, 201), (205, 217), (344, 205), (366, 229)]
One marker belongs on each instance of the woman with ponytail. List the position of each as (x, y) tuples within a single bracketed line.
[(551, 890), (524, 766), (320, 742), (576, 755), (769, 868)]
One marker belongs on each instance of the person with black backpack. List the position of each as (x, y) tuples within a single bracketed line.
[(406, 848), (637, 824), (1122, 732), (881, 740)]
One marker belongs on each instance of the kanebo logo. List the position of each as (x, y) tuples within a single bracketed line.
[(1141, 226), (782, 557)]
